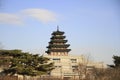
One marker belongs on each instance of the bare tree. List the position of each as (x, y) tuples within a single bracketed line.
[(82, 68), (112, 72)]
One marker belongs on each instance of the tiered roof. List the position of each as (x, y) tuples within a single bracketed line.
[(58, 43)]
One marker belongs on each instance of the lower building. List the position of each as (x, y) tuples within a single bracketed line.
[(67, 66)]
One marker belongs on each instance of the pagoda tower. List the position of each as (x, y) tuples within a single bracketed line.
[(57, 45)]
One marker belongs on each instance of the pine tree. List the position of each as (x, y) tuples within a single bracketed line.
[(26, 64)]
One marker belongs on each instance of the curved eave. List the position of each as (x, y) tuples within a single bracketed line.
[(58, 41), (57, 33), (57, 37), (58, 46), (58, 50)]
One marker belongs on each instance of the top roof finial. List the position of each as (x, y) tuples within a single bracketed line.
[(57, 28)]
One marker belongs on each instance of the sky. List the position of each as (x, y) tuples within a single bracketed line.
[(91, 26)]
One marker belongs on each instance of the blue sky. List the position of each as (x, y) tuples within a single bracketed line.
[(91, 26)]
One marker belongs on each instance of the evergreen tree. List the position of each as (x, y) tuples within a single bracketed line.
[(26, 64), (116, 61)]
